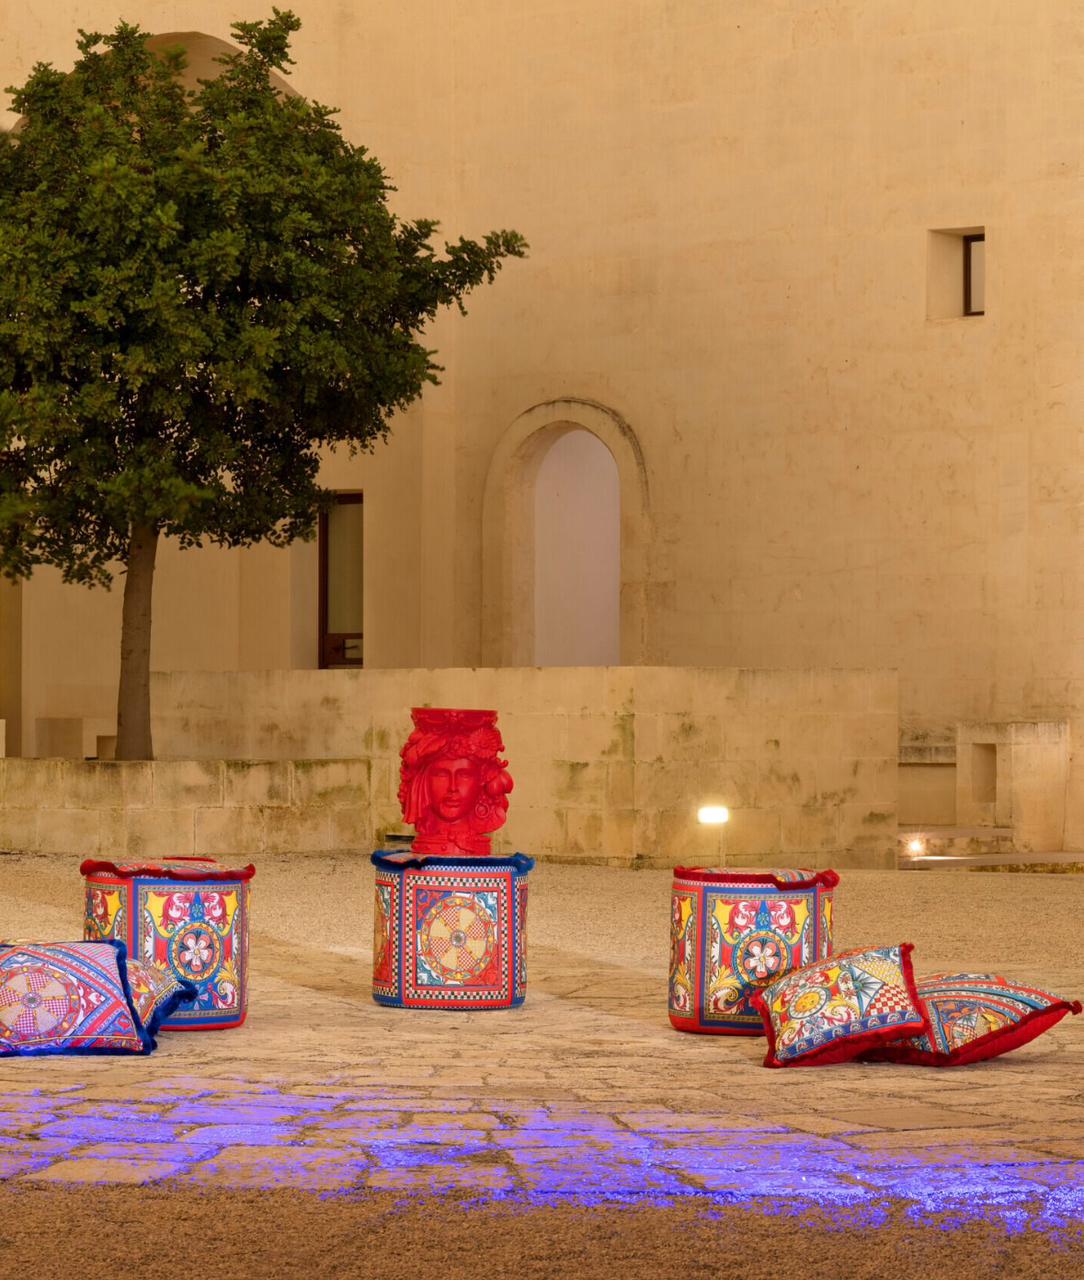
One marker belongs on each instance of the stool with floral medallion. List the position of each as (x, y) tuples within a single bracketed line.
[(188, 916), (734, 930), (450, 920)]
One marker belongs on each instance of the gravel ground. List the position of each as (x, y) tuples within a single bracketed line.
[(578, 1136)]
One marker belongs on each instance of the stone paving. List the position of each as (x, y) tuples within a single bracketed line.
[(584, 1094)]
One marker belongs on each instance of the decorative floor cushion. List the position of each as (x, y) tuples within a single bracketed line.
[(67, 997), (834, 1009), (735, 930), (156, 993), (450, 933), (974, 1016), (186, 915)]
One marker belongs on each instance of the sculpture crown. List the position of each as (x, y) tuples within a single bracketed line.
[(452, 720)]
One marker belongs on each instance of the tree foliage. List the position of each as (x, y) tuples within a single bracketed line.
[(199, 290)]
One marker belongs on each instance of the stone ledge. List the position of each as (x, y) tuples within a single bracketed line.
[(805, 761)]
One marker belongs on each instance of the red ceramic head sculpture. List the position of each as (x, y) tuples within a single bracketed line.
[(453, 783)]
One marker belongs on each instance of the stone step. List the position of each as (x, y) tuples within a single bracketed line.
[(927, 847), (916, 843), (1035, 863), (976, 849)]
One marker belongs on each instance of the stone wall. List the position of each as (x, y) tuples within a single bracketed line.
[(732, 210), (1027, 767), (610, 764), (232, 808)]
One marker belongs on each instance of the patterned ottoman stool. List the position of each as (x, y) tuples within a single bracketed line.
[(185, 915), (733, 931), (450, 933)]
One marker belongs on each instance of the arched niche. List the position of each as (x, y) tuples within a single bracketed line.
[(201, 52), (508, 528), (577, 563)]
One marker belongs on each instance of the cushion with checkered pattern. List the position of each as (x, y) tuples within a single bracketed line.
[(833, 1009)]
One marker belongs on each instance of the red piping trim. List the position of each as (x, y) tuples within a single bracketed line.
[(720, 875), (126, 871)]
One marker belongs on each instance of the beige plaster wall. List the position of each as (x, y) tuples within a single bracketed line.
[(729, 208), (609, 762)]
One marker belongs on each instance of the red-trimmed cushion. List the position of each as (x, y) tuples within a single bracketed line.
[(832, 1010), (974, 1016), (67, 997)]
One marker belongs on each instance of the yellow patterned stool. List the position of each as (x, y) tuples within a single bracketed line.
[(733, 931), (188, 916)]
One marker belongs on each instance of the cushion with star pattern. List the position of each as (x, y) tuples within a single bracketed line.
[(67, 997), (974, 1016)]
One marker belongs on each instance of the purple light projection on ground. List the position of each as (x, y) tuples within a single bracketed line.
[(523, 1154)]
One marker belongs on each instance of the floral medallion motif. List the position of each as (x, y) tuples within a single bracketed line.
[(195, 952), (733, 932), (759, 957)]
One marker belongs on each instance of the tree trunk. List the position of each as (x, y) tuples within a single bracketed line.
[(134, 697)]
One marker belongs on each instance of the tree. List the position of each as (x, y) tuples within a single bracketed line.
[(199, 290)]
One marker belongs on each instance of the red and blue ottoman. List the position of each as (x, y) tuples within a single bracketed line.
[(450, 933), (733, 931), (188, 916)]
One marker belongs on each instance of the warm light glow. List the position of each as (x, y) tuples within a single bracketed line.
[(713, 815), (917, 845)]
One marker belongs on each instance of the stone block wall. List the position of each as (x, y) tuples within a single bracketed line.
[(1031, 770), (227, 808), (611, 764)]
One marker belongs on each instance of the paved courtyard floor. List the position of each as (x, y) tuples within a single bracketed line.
[(576, 1136)]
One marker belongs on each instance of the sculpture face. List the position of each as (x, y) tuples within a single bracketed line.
[(454, 787)]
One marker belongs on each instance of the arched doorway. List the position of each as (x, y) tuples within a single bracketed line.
[(510, 546), (577, 554)]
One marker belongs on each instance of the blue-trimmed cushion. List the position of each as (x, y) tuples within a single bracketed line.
[(156, 993), (974, 1016), (833, 1009), (67, 997)]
